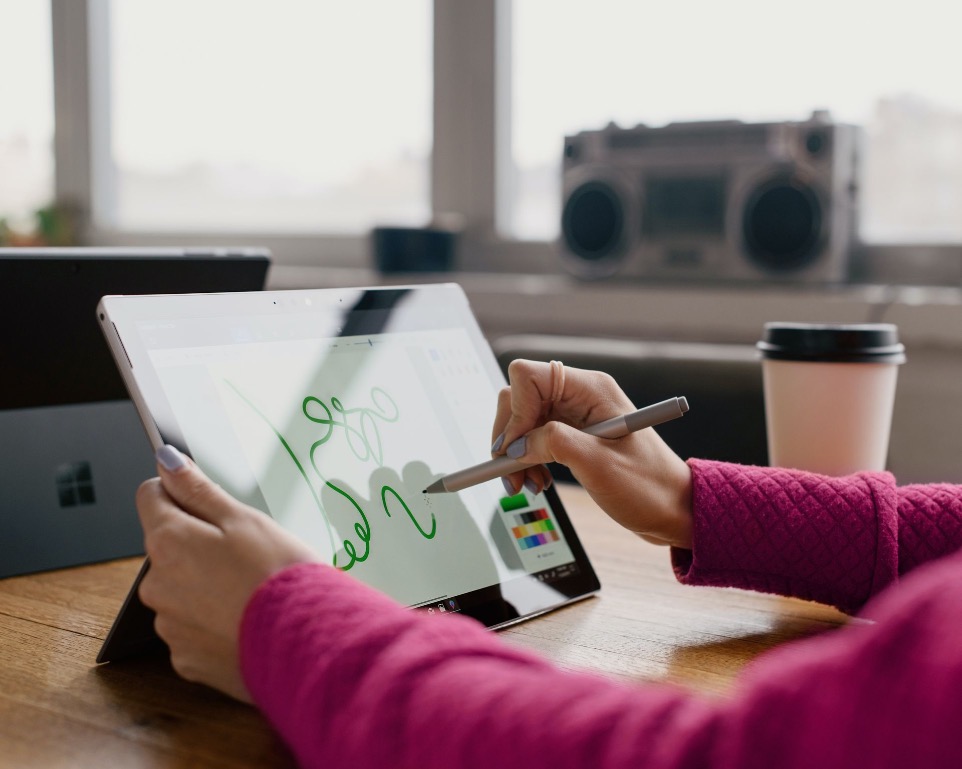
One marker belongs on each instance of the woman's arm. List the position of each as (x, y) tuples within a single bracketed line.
[(930, 523), (835, 540), (348, 677)]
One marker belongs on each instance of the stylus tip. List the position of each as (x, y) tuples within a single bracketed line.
[(435, 488)]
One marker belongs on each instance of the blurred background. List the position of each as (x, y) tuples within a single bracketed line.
[(301, 126), (294, 116)]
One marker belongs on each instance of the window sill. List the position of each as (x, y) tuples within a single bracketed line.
[(511, 303)]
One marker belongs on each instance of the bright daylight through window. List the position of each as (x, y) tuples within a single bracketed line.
[(277, 116), (892, 69), (26, 115)]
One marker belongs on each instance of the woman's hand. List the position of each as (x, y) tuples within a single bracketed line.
[(638, 480), (208, 553)]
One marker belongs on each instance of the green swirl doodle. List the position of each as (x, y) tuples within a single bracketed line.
[(368, 435), (367, 451), (385, 490)]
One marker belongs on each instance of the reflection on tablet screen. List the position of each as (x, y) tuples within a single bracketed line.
[(333, 417)]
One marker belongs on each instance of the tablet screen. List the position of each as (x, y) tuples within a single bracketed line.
[(332, 411)]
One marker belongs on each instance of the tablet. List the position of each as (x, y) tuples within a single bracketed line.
[(72, 447), (332, 410)]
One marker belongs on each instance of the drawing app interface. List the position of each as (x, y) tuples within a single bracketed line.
[(337, 438)]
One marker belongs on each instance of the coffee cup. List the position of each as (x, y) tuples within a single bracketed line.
[(829, 394)]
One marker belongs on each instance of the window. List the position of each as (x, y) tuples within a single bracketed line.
[(298, 124), (26, 117), (272, 116), (892, 69)]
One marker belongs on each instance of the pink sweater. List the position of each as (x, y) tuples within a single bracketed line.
[(349, 678)]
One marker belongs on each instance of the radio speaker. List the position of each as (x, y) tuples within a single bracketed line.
[(712, 201)]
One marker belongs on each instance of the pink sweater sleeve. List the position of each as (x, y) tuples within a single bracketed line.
[(348, 678), (835, 540), (930, 523)]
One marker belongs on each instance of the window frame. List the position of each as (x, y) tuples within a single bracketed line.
[(470, 109)]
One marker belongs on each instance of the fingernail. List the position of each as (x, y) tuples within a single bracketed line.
[(170, 458), (517, 448), (496, 446), (531, 485), (508, 486)]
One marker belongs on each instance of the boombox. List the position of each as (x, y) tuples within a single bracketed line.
[(718, 201)]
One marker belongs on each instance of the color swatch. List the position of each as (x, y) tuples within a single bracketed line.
[(516, 502), (534, 529)]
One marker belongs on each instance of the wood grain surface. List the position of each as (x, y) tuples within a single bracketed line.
[(59, 709)]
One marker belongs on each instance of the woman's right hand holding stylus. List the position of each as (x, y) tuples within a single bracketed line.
[(638, 480)]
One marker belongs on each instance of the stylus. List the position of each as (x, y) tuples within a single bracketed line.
[(616, 427)]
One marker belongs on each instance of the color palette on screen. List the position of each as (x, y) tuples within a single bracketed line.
[(534, 529), (515, 502)]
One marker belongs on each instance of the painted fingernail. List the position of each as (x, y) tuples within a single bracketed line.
[(508, 486), (170, 458), (531, 485), (496, 446), (516, 449)]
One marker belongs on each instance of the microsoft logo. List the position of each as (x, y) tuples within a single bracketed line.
[(75, 484)]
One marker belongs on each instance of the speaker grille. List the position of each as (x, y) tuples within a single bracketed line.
[(593, 221), (782, 224)]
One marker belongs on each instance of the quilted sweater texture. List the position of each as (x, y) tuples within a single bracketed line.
[(835, 540), (348, 677)]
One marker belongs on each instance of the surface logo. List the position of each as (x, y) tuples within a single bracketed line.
[(75, 484)]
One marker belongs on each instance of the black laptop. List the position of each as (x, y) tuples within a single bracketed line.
[(72, 448)]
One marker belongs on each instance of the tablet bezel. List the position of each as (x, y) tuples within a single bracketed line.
[(132, 631)]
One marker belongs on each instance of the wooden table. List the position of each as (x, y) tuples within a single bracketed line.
[(57, 708)]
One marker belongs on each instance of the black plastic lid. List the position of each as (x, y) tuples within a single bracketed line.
[(831, 343)]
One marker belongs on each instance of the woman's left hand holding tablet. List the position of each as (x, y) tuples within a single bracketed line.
[(209, 553)]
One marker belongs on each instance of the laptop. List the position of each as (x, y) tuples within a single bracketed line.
[(332, 410), (72, 446)]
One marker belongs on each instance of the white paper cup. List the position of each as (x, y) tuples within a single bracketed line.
[(829, 394)]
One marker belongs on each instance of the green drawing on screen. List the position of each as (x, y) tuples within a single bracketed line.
[(364, 442), (370, 447)]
